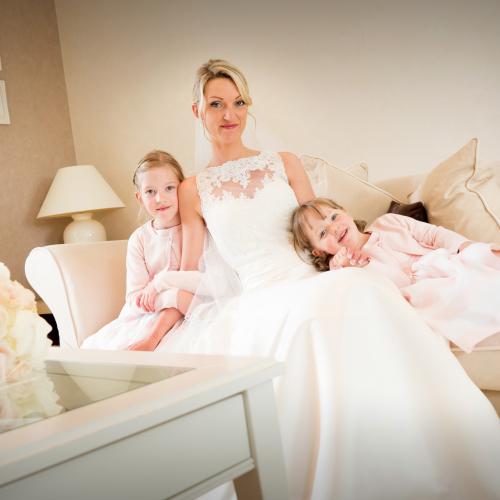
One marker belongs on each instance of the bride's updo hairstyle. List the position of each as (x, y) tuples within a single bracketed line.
[(218, 68), (301, 243)]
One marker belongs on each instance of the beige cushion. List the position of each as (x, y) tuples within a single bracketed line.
[(402, 187), (360, 170), (362, 199), (482, 365), (463, 195), (491, 342)]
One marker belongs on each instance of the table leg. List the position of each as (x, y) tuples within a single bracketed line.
[(268, 480)]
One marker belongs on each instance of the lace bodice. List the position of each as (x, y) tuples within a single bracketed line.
[(238, 178), (247, 204)]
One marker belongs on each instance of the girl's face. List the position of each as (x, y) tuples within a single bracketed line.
[(336, 229), (158, 196), (225, 113)]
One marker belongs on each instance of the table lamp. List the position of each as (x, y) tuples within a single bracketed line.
[(77, 192)]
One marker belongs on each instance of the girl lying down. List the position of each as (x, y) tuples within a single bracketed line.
[(454, 283)]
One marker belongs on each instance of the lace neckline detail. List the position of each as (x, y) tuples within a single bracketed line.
[(239, 161), (239, 179)]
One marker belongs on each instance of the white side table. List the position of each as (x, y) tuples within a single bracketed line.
[(177, 437)]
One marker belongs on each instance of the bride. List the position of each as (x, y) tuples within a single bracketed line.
[(373, 405)]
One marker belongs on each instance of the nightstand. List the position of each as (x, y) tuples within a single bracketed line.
[(150, 425)]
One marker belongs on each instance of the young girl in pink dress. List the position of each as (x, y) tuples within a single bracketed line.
[(453, 283), (153, 306)]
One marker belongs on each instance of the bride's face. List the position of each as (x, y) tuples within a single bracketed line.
[(225, 112)]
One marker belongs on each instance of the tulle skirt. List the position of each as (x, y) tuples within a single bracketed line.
[(132, 325), (373, 405)]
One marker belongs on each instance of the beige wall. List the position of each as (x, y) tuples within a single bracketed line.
[(39, 139), (400, 85)]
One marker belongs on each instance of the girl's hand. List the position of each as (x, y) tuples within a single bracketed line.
[(146, 300), (349, 258)]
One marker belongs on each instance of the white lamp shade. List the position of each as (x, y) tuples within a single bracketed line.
[(78, 189)]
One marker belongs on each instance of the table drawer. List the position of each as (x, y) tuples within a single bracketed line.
[(156, 463)]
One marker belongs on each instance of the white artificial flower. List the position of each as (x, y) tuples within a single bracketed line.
[(22, 298), (26, 392), (29, 333), (5, 360), (27, 401), (4, 272), (4, 321)]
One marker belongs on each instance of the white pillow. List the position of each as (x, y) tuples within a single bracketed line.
[(360, 198)]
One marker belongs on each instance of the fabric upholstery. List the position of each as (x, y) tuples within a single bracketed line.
[(363, 200), (83, 284), (462, 195)]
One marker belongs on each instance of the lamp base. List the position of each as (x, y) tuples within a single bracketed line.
[(84, 229)]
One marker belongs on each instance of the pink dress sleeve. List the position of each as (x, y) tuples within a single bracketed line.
[(153, 260), (427, 235), (161, 279), (137, 271)]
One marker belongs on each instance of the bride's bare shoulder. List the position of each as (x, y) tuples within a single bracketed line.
[(187, 187), (291, 162), (286, 156), (297, 177)]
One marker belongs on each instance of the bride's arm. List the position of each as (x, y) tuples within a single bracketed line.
[(193, 226), (297, 177)]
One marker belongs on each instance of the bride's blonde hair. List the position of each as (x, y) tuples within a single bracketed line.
[(301, 241), (218, 68)]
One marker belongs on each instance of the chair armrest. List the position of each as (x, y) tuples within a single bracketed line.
[(83, 284)]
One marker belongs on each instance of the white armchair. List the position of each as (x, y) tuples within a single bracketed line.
[(83, 285)]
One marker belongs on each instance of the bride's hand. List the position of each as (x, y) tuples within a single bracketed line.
[(349, 258), (146, 299)]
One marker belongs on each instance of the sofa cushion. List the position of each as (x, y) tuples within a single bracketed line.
[(463, 195), (483, 363), (362, 199), (360, 170)]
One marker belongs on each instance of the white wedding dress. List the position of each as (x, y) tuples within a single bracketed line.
[(373, 404)]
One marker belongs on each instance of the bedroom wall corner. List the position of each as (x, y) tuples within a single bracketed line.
[(39, 139)]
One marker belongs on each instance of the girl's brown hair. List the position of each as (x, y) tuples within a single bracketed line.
[(155, 159), (301, 242)]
